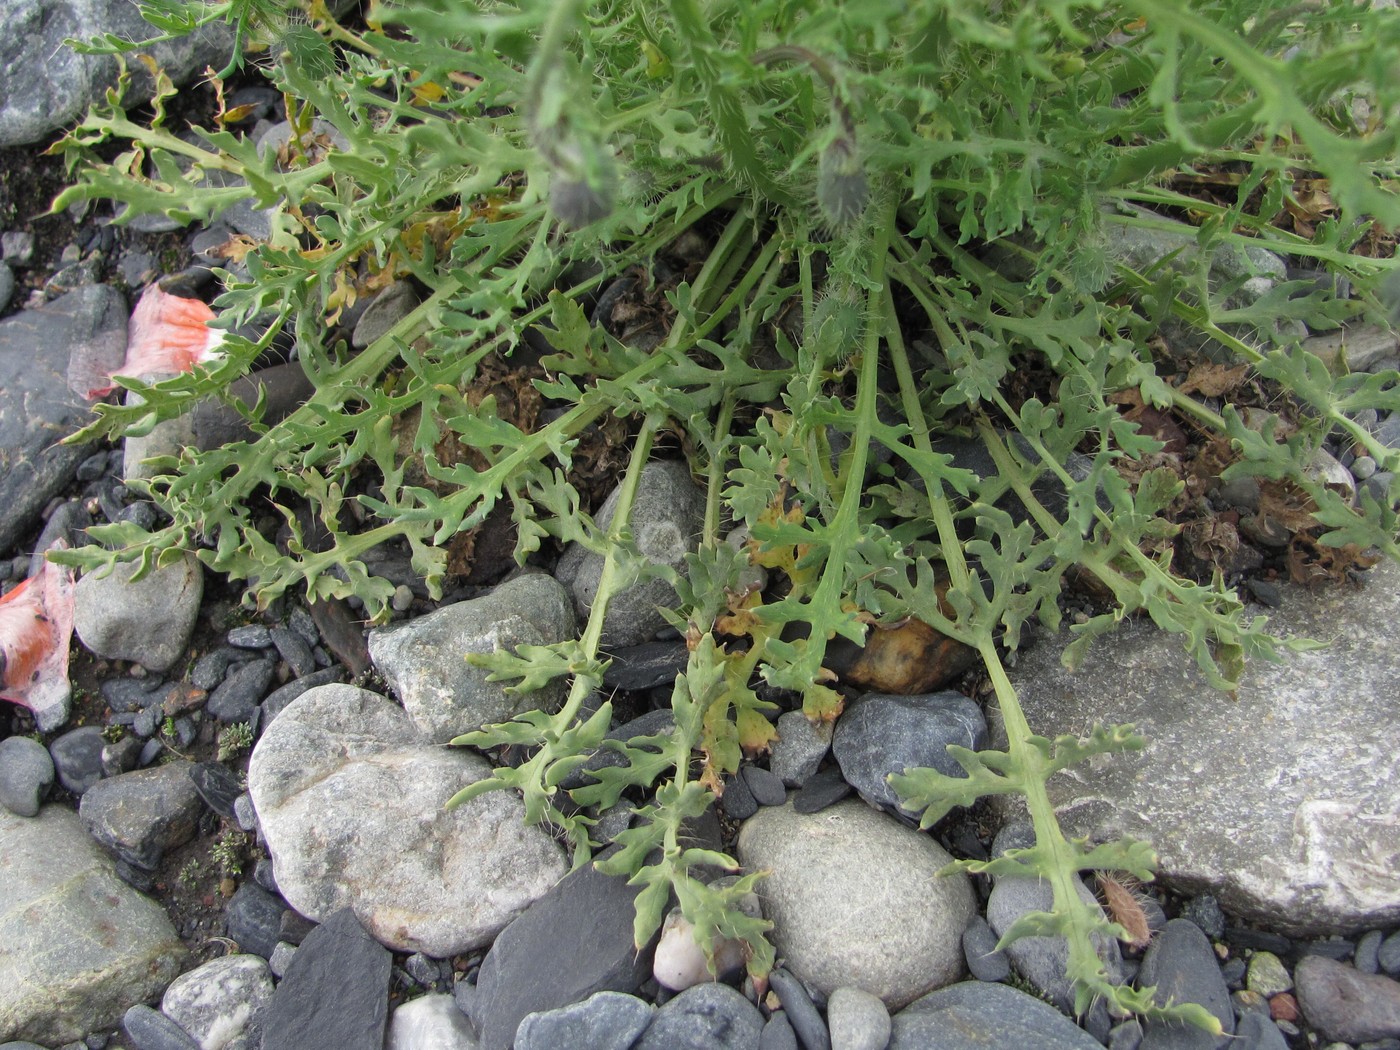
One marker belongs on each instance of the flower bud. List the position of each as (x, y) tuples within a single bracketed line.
[(842, 189)]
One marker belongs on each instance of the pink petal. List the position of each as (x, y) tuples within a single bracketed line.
[(167, 335), (36, 626)]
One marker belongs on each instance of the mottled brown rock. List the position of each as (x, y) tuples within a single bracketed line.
[(1344, 1004)]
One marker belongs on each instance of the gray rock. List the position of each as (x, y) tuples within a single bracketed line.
[(706, 1017), (278, 700), (738, 800), (77, 758), (1267, 975), (975, 1015), (1271, 798), (855, 899), (603, 1021), (801, 1011), (820, 791), (255, 919), (237, 697), (151, 1030), (387, 309), (1257, 1032), (335, 995), (7, 285), (37, 409), (217, 786), (985, 960), (351, 800), (1368, 950), (424, 660), (141, 816), (574, 941), (1182, 967), (1040, 960), (767, 788), (121, 757), (800, 747), (215, 1002), (430, 1022), (1344, 1004), (882, 734), (26, 774), (1365, 346), (857, 1020), (148, 621), (667, 516), (777, 1034), (293, 649), (282, 388), (48, 84), (118, 947), (1388, 954), (645, 666)]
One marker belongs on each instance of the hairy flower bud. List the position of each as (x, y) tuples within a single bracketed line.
[(842, 189)]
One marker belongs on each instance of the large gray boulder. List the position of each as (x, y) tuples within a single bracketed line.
[(856, 900), (77, 944), (47, 84), (1280, 801), (351, 799), (425, 660)]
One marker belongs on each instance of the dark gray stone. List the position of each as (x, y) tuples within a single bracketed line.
[(1257, 1032), (335, 995), (141, 816), (121, 757), (799, 749), (278, 700), (77, 758), (985, 960), (1368, 949), (238, 696), (882, 734), (821, 790), (217, 423), (217, 786), (645, 666), (250, 636), (574, 941), (209, 670), (67, 523), (1183, 968), (975, 1015), (1388, 955), (26, 774), (603, 1021), (777, 1033), (801, 1011), (151, 1030), (131, 694), (738, 800), (37, 409), (1204, 911), (652, 723), (7, 285), (254, 919), (706, 1017), (768, 788), (1345, 1005), (292, 648)]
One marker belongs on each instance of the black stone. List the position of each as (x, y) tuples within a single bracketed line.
[(801, 1011), (738, 800), (254, 919), (217, 786), (1204, 911), (645, 666), (209, 670), (821, 789), (572, 942), (77, 758), (237, 698), (130, 694), (335, 993), (767, 787), (151, 1030), (294, 927)]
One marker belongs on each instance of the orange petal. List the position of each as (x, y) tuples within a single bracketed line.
[(36, 626), (167, 335)]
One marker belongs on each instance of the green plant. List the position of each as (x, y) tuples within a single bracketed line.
[(234, 740), (227, 853), (190, 874), (907, 212)]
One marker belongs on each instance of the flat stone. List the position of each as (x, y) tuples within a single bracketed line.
[(574, 941), (667, 516), (335, 995), (603, 1021), (77, 758), (1269, 800), (237, 697), (881, 734), (424, 660), (645, 666), (351, 800), (148, 621), (37, 408), (151, 1030), (217, 786), (77, 945), (26, 774), (1344, 1004), (855, 899), (215, 1002), (141, 816), (430, 1022), (254, 918), (976, 1015), (706, 1017)]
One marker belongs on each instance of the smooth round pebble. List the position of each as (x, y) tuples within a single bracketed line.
[(1368, 948), (1388, 955), (431, 1022), (857, 1020), (26, 774), (603, 1021), (706, 1017), (767, 787), (1267, 975), (151, 1030), (77, 758), (985, 960)]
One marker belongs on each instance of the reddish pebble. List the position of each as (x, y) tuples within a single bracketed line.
[(1283, 1007)]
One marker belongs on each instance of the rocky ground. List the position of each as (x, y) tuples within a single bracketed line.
[(239, 820)]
